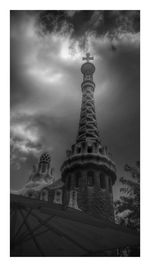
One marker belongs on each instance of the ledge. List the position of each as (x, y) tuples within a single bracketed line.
[(82, 160)]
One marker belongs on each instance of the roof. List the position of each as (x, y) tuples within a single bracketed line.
[(39, 228)]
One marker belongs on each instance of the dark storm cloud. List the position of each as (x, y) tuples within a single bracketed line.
[(84, 23), (45, 84), (120, 104)]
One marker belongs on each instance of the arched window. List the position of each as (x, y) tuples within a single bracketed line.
[(58, 196), (77, 179), (73, 199), (68, 182), (89, 149), (102, 181), (78, 149), (43, 167), (90, 178), (110, 185), (44, 195), (100, 150)]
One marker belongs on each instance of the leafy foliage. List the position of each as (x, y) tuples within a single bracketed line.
[(127, 208)]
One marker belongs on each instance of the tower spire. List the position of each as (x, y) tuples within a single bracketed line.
[(88, 130), (88, 173)]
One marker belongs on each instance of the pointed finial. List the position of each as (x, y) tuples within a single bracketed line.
[(88, 58)]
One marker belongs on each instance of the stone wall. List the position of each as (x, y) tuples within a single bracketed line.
[(90, 198)]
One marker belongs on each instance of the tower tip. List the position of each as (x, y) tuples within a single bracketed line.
[(88, 57)]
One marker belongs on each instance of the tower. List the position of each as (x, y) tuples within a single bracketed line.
[(88, 172), (44, 164), (40, 178)]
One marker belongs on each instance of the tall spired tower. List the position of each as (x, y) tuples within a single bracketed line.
[(88, 172)]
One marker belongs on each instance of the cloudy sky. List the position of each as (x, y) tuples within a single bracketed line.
[(46, 49)]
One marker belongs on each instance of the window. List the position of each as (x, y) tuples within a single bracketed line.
[(77, 179), (73, 199), (58, 196), (44, 195), (90, 178), (87, 77), (89, 149), (83, 146), (110, 185), (43, 167), (68, 182), (102, 181), (100, 150), (78, 149)]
